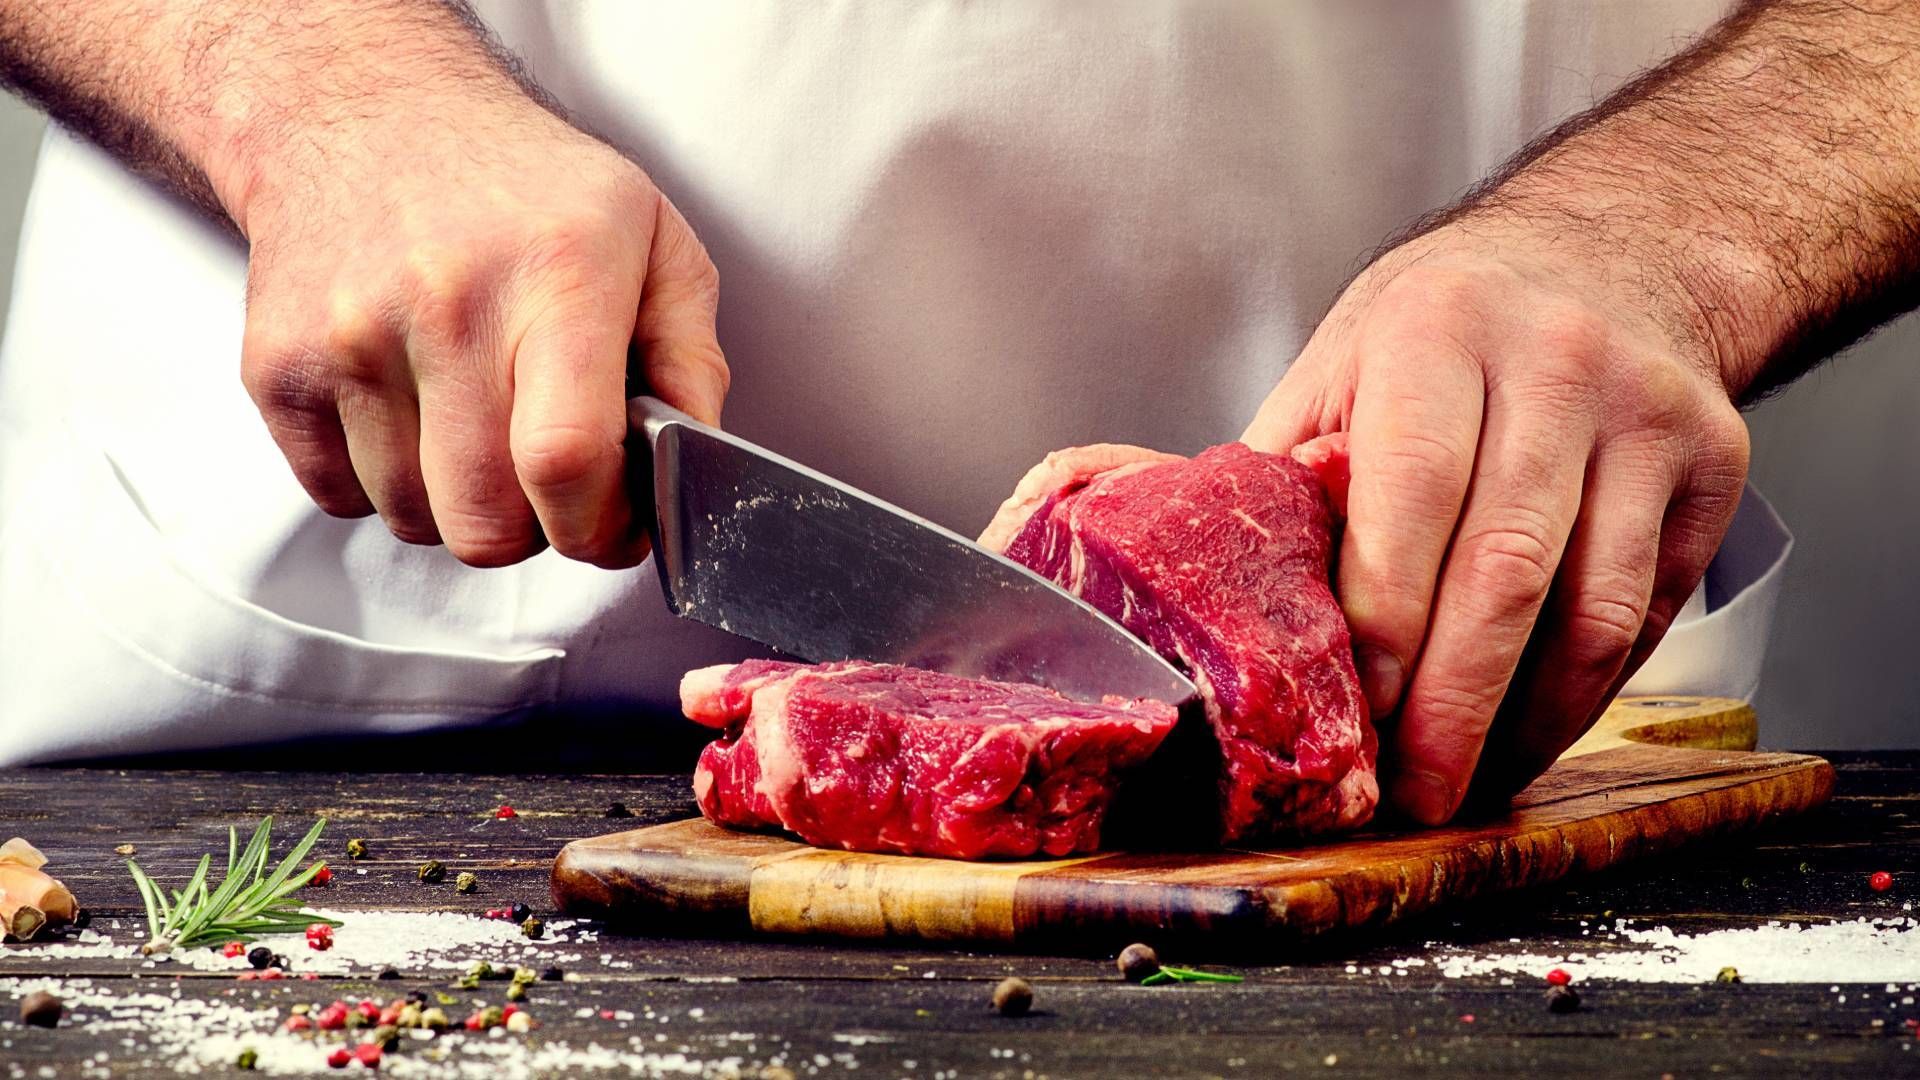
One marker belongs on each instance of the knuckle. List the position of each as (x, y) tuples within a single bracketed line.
[(1603, 628), (1451, 712), (1422, 473), (491, 542), (447, 288), (1512, 563), (559, 456)]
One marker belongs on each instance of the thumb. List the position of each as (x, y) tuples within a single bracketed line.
[(680, 355)]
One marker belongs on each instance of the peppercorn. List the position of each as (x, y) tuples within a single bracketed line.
[(82, 918), (435, 1018), (319, 937), (384, 1036), (387, 975), (297, 1023), (1562, 999), (418, 997), (390, 1015), (552, 974), (1881, 881), (525, 975), (234, 948), (1138, 961), (41, 1009), (520, 1023), (480, 970), (356, 848), (506, 811), (1013, 997), (323, 876), (433, 871), (466, 883), (340, 1058), (409, 1016), (1558, 977), (618, 809), (259, 956), (1727, 975), (519, 912), (248, 1059), (517, 992), (279, 963), (332, 1018), (368, 1055), (533, 927)]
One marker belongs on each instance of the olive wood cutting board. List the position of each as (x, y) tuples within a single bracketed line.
[(1654, 774)]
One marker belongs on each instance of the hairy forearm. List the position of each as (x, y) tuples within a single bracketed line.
[(1760, 191), (218, 99)]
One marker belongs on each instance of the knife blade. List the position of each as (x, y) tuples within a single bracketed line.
[(766, 548)]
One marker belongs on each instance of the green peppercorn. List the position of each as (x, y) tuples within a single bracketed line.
[(384, 1036), (1728, 975), (409, 1016), (480, 970), (525, 975), (492, 1017), (248, 1059), (1013, 997), (435, 1019), (466, 883), (433, 871), (533, 927), (517, 992), (445, 998), (356, 848)]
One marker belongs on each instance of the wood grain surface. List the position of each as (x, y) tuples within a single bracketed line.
[(909, 1009), (1636, 786)]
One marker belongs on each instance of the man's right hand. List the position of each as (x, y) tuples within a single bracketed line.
[(439, 314)]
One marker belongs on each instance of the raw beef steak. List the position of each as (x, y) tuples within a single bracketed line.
[(1221, 563), (874, 757)]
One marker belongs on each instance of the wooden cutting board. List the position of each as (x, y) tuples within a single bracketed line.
[(1653, 775)]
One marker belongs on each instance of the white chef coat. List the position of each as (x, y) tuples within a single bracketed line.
[(951, 237)]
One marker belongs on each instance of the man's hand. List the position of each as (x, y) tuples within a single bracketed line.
[(1528, 447), (1539, 383), (438, 325), (445, 279)]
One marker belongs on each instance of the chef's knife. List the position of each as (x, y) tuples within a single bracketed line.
[(771, 550)]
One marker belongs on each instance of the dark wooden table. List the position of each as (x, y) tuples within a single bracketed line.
[(915, 1012)]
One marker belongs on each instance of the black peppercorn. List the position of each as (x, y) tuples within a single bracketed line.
[(418, 997), (1137, 961), (1013, 997), (1562, 999), (387, 973), (82, 919), (552, 974), (618, 809), (280, 961), (41, 1009), (260, 956), (520, 912)]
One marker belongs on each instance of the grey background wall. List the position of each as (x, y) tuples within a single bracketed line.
[(1839, 455)]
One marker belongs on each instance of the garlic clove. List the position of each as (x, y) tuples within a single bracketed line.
[(19, 851)]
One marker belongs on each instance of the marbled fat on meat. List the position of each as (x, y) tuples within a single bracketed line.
[(1221, 563), (874, 757)]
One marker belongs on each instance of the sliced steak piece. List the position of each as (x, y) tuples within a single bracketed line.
[(1221, 563), (874, 757)]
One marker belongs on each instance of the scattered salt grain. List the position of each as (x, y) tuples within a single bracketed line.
[(1853, 950)]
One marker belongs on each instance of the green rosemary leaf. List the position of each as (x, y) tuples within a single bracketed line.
[(248, 900), (1179, 974), (1157, 978)]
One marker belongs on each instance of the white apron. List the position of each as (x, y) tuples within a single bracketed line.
[(951, 237)]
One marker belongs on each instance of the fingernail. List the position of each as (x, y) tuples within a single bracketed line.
[(1424, 796), (1381, 676)]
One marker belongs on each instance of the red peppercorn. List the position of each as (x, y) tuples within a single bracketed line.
[(368, 1054), (246, 976), (309, 976), (1466, 1018), (270, 974), (234, 948), (391, 1014), (606, 1014), (340, 1057), (509, 1010), (320, 937), (298, 1023), (474, 1022), (1881, 881), (323, 875), (332, 1018), (506, 811), (1557, 977), (368, 1010)]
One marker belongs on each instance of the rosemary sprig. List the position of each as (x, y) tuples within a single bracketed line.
[(1186, 975), (248, 900)]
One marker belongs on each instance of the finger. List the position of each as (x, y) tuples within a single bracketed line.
[(1415, 426), (382, 425), (568, 430), (1593, 620), (477, 502), (295, 397), (679, 349), (1526, 493)]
